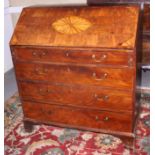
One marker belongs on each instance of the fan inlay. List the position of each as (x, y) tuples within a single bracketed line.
[(71, 25)]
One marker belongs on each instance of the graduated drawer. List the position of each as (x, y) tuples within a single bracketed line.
[(78, 117), (101, 76), (76, 95), (108, 57)]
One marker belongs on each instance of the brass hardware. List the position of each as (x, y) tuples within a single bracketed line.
[(38, 54), (34, 53), (106, 118), (96, 118), (45, 70), (44, 92), (40, 90), (104, 56), (102, 78), (130, 61), (67, 54), (41, 71), (68, 69), (102, 98), (106, 97), (43, 53)]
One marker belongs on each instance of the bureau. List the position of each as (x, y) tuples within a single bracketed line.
[(77, 67)]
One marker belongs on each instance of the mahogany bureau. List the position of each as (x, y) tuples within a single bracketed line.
[(77, 67)]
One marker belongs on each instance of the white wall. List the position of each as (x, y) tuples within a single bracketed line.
[(19, 4), (44, 2), (12, 12), (8, 29)]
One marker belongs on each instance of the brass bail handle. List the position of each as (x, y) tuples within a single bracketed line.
[(101, 98), (102, 58), (39, 54), (41, 71), (44, 91), (99, 79), (105, 119)]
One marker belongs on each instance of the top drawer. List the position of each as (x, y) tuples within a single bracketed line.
[(107, 57)]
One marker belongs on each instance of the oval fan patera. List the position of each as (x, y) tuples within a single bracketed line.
[(71, 25)]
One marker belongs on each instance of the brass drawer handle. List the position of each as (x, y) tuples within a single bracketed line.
[(130, 62), (44, 91), (43, 53), (41, 71), (99, 79), (68, 69), (34, 53), (105, 118), (96, 118), (103, 57), (39, 54), (67, 53), (101, 98)]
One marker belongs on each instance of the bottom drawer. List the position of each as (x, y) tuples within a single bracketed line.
[(78, 117)]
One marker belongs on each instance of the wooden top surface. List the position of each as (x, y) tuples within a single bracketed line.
[(103, 27)]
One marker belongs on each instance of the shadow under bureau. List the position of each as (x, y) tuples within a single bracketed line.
[(77, 67)]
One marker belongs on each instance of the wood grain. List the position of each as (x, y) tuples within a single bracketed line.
[(81, 62), (71, 25), (98, 76), (77, 95), (82, 117), (83, 56), (35, 27)]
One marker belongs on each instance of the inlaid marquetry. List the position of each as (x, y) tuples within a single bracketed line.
[(71, 25)]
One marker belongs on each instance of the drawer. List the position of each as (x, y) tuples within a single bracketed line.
[(121, 57), (82, 117), (77, 95), (100, 76)]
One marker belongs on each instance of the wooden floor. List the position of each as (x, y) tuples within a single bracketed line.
[(10, 85)]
